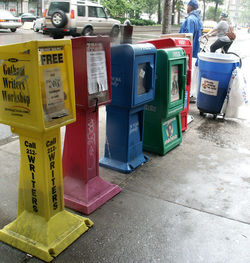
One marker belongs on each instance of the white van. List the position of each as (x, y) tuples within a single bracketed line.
[(72, 17)]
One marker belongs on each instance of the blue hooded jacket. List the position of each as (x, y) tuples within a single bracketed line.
[(193, 24)]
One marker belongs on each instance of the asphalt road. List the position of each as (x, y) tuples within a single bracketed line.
[(240, 46)]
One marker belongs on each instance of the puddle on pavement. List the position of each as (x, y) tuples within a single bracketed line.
[(227, 134)]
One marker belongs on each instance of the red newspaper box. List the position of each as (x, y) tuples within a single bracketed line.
[(187, 46), (84, 189)]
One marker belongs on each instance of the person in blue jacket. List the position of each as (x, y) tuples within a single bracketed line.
[(193, 24)]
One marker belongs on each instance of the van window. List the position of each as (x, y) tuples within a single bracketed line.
[(96, 12), (101, 13), (64, 6), (81, 10)]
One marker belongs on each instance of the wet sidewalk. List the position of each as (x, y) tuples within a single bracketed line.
[(191, 205)]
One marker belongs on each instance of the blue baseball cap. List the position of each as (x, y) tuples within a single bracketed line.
[(193, 4)]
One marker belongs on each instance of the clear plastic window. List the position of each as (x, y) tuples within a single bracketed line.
[(92, 11), (142, 78), (175, 87), (81, 10), (101, 13), (96, 12), (64, 6), (54, 82)]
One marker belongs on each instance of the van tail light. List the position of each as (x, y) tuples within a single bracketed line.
[(72, 14), (45, 13), (19, 20)]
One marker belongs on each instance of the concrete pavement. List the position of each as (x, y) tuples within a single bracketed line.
[(191, 205)]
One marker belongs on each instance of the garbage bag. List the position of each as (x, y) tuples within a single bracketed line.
[(237, 96), (195, 79)]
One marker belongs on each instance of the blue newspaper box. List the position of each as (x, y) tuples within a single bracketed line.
[(133, 85)]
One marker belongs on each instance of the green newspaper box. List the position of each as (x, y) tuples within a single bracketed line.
[(162, 125)]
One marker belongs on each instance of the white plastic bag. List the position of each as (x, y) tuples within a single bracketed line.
[(195, 79), (236, 96)]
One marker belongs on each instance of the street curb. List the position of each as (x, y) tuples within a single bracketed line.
[(27, 25), (152, 29)]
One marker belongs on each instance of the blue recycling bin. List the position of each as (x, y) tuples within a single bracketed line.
[(133, 85), (215, 70)]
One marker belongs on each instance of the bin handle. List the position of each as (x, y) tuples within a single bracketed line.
[(96, 103), (184, 79), (60, 116), (150, 71)]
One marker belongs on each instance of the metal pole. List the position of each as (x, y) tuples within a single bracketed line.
[(42, 6)]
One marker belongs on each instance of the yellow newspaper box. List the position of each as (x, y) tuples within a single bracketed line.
[(36, 99), (37, 88)]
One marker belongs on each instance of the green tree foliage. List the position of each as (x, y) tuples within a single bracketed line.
[(216, 12), (177, 6), (136, 7), (244, 17), (150, 7), (210, 13), (125, 8), (116, 8)]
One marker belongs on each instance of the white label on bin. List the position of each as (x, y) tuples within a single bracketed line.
[(97, 71), (209, 87)]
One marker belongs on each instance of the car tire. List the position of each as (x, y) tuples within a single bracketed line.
[(35, 29), (115, 31), (88, 31), (59, 19), (13, 29)]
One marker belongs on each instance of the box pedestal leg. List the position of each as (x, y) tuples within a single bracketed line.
[(84, 189), (42, 228)]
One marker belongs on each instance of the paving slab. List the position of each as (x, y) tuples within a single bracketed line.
[(209, 171), (191, 205), (137, 228)]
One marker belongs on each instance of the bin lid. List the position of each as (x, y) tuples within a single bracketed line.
[(218, 57)]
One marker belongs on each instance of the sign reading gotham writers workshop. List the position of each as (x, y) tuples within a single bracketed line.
[(15, 93)]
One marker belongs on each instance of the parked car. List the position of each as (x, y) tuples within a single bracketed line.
[(39, 25), (28, 17), (77, 17), (8, 21), (208, 25)]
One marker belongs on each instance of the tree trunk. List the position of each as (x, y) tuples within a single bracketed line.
[(215, 10), (173, 12), (166, 20), (204, 10), (159, 12)]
